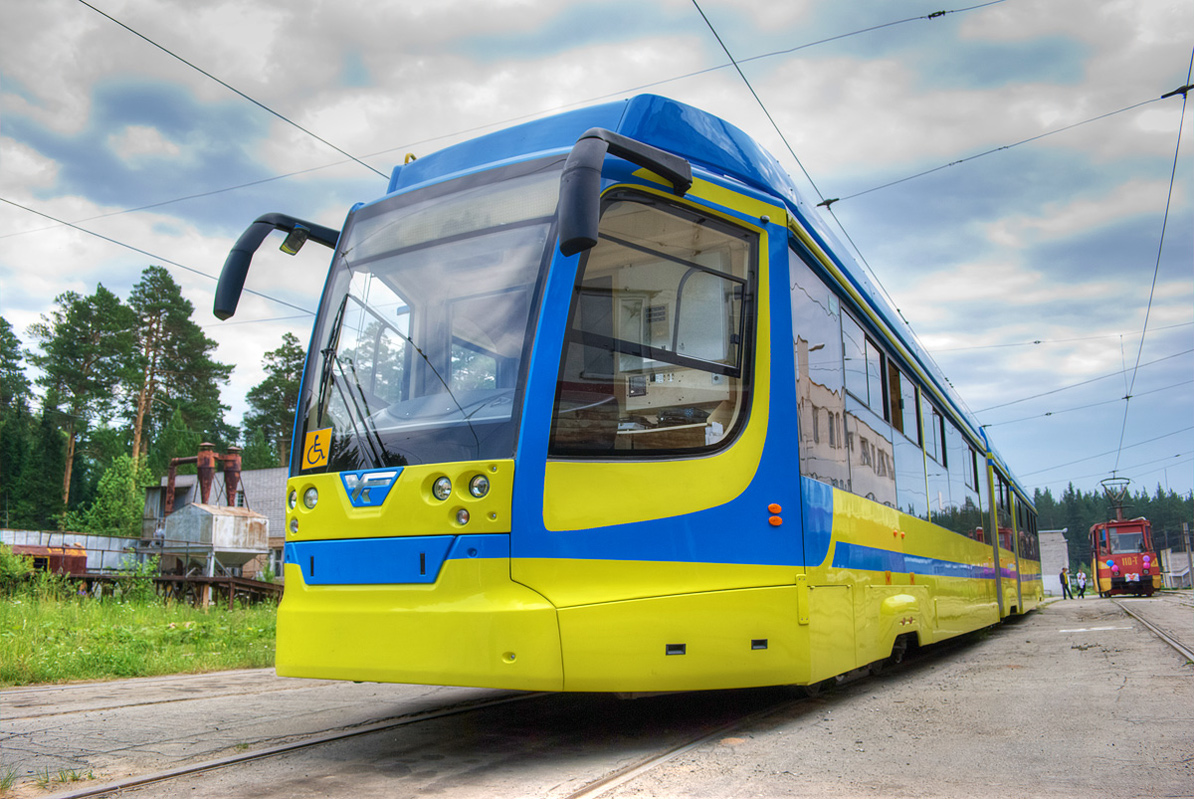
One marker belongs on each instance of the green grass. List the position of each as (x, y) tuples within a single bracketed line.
[(53, 640), (8, 778)]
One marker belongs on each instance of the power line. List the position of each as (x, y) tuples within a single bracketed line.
[(796, 158), (1110, 451), (758, 99), (153, 256), (233, 89), (1167, 460), (1087, 407), (1048, 341), (1082, 383), (1038, 137), (1160, 247), (510, 120), (200, 195)]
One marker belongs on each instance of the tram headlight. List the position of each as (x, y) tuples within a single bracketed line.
[(441, 489), (292, 500), (311, 497), (462, 517), (479, 486)]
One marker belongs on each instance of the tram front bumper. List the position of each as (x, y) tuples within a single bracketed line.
[(472, 626)]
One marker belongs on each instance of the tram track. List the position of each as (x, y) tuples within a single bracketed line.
[(635, 770), (761, 741), (139, 781), (888, 668), (590, 790), (763, 707), (1183, 649)]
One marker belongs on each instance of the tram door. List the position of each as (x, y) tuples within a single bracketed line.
[(1018, 518), (1007, 561)]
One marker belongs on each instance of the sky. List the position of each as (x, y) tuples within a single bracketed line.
[(1008, 171)]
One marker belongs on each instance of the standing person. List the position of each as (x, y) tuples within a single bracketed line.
[(1081, 584), (1065, 583)]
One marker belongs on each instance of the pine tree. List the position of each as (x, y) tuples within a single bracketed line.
[(273, 400), (175, 440), (175, 371), (38, 504), (258, 452), (16, 423), (87, 346)]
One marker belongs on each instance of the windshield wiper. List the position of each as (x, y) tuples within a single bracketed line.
[(355, 410), (329, 354)]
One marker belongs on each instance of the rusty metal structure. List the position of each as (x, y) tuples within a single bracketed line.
[(205, 464)]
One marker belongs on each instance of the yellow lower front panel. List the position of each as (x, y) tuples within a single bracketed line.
[(722, 639), (473, 627)]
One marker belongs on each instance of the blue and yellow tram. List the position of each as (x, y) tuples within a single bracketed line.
[(593, 404)]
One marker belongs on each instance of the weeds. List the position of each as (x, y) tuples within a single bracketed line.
[(45, 779), (8, 778), (136, 582)]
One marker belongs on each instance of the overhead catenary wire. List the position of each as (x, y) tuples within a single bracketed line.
[(1080, 383), (1088, 406), (504, 122), (1183, 91), (153, 256), (501, 123), (873, 28), (827, 204), (1167, 461), (1037, 342), (796, 158), (233, 89), (993, 150), (1109, 452)]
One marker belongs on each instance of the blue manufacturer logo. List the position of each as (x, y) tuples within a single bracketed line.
[(369, 488)]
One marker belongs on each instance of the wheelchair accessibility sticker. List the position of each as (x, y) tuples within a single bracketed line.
[(316, 447)]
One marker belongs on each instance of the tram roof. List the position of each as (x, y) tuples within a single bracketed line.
[(706, 141)]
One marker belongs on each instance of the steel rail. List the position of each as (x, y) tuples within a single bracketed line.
[(231, 760), (589, 791), (634, 770), (1164, 636)]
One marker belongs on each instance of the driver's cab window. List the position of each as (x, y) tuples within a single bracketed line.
[(372, 344), (656, 355)]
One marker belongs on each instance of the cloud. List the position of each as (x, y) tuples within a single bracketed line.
[(137, 143), (1080, 214)]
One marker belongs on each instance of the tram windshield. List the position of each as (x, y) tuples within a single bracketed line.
[(1127, 541), (420, 349)]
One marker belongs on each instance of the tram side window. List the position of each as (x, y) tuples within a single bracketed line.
[(863, 365), (820, 398), (655, 360), (870, 444), (903, 406), (1003, 509), (964, 515), (1029, 546), (934, 431), (936, 473)]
